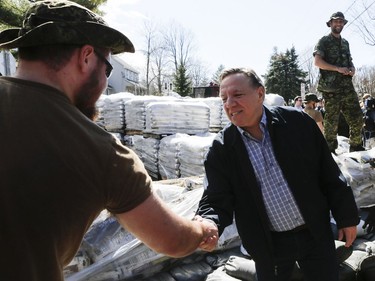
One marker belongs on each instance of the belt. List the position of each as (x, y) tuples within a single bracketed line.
[(294, 230)]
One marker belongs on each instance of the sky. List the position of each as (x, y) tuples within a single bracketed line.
[(243, 33)]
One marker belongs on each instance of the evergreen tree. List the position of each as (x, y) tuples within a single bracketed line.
[(216, 75), (181, 81), (284, 76)]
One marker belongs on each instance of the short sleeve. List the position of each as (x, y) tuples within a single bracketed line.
[(128, 181)]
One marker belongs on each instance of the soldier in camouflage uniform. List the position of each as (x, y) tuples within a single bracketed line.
[(332, 56)]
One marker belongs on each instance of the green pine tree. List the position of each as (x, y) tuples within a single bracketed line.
[(181, 82), (284, 76)]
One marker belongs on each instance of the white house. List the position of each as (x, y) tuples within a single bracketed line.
[(124, 77), (7, 63)]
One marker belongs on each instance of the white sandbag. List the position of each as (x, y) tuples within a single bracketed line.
[(359, 173), (148, 151), (273, 100), (135, 111), (193, 151), (112, 110), (168, 163), (215, 104), (177, 117)]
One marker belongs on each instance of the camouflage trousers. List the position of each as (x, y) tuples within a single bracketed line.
[(347, 103)]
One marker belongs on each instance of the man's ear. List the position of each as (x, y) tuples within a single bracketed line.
[(86, 60), (261, 92)]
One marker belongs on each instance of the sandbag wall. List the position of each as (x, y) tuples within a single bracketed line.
[(171, 135)]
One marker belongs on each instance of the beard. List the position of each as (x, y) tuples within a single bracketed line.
[(336, 30), (87, 96)]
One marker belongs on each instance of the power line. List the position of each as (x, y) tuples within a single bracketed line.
[(360, 13), (356, 18)]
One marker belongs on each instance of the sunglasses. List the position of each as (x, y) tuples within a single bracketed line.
[(109, 67)]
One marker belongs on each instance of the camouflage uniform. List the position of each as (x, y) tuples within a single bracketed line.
[(338, 91)]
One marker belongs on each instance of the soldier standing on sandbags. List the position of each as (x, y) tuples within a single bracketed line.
[(332, 56)]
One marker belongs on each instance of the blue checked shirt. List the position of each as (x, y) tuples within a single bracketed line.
[(281, 207)]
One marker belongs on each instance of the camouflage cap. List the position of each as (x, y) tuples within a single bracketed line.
[(64, 22), (310, 97), (335, 16)]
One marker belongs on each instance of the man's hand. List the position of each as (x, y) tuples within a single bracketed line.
[(369, 224), (210, 236), (345, 70), (349, 233)]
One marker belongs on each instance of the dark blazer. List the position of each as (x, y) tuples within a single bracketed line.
[(313, 177)]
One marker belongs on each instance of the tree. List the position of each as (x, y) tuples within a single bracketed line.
[(312, 71), (198, 74), (364, 20), (158, 66), (178, 43), (216, 76), (149, 31), (181, 82), (364, 80), (284, 76)]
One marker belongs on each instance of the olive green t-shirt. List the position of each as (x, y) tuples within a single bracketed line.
[(58, 171)]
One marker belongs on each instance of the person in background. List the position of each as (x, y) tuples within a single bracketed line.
[(281, 200), (332, 56), (364, 102), (310, 101), (298, 103), (58, 169), (320, 106)]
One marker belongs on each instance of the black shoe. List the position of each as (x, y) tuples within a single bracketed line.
[(358, 147)]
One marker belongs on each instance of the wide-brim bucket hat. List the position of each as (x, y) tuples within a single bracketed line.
[(335, 16), (53, 22)]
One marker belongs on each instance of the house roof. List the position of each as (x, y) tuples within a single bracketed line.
[(124, 64)]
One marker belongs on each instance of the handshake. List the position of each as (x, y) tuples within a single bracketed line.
[(210, 234)]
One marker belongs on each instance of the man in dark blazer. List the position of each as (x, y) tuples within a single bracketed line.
[(272, 170)]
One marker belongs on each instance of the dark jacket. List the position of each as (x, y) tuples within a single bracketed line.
[(313, 177)]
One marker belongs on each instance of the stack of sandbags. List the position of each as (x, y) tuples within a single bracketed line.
[(273, 100), (177, 116), (224, 118), (215, 104), (360, 174), (168, 163), (147, 149), (135, 111), (99, 105), (111, 109), (193, 151), (150, 155)]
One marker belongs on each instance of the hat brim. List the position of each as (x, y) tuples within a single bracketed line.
[(49, 33), (329, 22)]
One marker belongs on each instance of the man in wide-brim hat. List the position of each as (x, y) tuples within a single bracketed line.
[(332, 56), (58, 169)]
